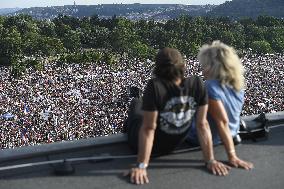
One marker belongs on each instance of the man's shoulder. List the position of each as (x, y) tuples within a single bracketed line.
[(156, 81), (193, 77), (194, 81)]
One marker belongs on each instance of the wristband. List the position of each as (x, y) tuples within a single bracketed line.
[(142, 165)]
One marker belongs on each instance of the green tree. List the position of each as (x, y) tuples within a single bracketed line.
[(17, 66), (239, 35), (50, 46), (228, 37), (10, 44), (254, 33), (158, 37), (267, 21), (23, 23), (246, 21), (47, 28), (99, 37), (138, 49), (70, 21), (34, 62), (109, 58), (31, 44), (2, 20), (261, 47), (72, 41), (278, 44), (123, 35), (275, 36)]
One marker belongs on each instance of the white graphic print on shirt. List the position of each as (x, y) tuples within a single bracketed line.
[(177, 114)]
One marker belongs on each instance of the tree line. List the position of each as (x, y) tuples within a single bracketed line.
[(25, 41)]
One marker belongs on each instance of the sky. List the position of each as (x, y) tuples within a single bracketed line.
[(44, 3)]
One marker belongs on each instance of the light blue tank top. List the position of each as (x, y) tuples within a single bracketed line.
[(233, 103)]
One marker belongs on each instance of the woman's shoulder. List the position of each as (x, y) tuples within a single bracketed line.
[(212, 82), (214, 88)]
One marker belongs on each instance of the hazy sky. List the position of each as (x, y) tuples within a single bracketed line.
[(43, 3)]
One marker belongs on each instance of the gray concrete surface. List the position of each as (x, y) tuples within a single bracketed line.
[(66, 146), (178, 170), (181, 170)]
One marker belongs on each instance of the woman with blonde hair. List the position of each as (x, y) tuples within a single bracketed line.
[(225, 83)]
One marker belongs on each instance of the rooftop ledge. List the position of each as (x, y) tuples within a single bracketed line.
[(67, 146)]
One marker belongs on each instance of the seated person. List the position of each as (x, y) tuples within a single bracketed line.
[(170, 102), (224, 76)]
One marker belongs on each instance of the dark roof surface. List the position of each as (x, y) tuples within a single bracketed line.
[(178, 170)]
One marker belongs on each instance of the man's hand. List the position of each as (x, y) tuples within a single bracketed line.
[(218, 168), (138, 176), (237, 162)]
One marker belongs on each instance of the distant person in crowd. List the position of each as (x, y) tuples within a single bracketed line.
[(225, 82), (170, 102)]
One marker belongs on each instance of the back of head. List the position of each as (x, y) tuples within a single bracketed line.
[(169, 64), (221, 62)]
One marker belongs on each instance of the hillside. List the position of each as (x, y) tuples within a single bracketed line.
[(5, 11), (131, 11), (249, 8), (233, 9)]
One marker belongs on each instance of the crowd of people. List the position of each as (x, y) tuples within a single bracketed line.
[(265, 84), (72, 102)]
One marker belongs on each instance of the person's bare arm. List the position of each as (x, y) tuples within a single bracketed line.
[(205, 140), (146, 138), (219, 114)]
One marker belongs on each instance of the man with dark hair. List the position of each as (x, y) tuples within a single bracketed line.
[(170, 102)]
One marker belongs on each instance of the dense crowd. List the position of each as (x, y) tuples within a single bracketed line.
[(265, 84), (71, 102)]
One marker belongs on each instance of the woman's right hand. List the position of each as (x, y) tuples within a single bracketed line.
[(239, 163)]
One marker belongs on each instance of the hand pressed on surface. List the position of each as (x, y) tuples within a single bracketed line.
[(237, 162), (138, 176), (218, 168)]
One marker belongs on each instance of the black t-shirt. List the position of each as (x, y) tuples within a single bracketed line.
[(176, 106)]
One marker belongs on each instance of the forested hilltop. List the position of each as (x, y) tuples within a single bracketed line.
[(4, 11), (130, 11), (249, 8), (25, 41), (235, 9)]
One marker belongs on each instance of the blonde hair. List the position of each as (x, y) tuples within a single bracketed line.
[(223, 64)]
